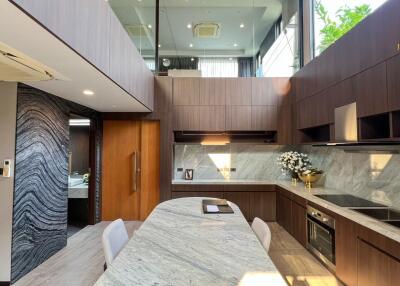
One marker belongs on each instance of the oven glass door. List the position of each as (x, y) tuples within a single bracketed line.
[(322, 238)]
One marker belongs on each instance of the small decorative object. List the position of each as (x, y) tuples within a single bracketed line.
[(310, 176), (189, 174), (293, 162), (85, 178)]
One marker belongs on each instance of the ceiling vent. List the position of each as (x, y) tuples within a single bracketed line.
[(206, 30), (15, 67), (137, 31)]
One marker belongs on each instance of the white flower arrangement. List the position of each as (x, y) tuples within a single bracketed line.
[(294, 162)]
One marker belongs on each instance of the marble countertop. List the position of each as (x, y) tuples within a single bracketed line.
[(179, 245), (222, 182), (387, 230)]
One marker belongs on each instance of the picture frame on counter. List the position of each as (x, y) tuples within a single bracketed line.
[(189, 174)]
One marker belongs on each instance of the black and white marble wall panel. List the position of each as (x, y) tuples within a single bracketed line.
[(41, 177)]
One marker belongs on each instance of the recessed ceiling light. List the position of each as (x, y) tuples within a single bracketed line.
[(88, 92), (192, 59), (191, 45), (149, 26), (189, 26), (241, 26), (159, 45), (235, 45)]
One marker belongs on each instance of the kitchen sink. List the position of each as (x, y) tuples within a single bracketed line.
[(386, 215)]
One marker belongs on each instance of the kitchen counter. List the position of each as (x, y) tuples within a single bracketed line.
[(309, 194), (179, 245)]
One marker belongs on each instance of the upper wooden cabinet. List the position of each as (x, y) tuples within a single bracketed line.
[(186, 91), (313, 111), (238, 118), (264, 118), (186, 118), (370, 90), (212, 118), (212, 91), (393, 82), (238, 91)]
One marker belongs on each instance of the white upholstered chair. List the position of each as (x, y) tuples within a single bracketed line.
[(262, 231), (114, 239)]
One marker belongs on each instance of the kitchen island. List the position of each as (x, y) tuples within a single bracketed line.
[(180, 245)]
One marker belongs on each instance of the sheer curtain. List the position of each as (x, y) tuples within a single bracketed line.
[(218, 67)]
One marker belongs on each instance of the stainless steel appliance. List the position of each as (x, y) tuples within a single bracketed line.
[(321, 236)]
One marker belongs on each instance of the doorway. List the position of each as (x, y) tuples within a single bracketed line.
[(79, 169)]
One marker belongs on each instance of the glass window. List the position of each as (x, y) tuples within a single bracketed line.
[(213, 32), (139, 20), (333, 19), (218, 67)]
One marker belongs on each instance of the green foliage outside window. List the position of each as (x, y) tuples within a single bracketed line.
[(347, 19)]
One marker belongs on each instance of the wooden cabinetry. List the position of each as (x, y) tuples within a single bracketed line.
[(346, 251), (299, 223), (375, 267), (212, 91), (186, 118), (371, 91), (253, 200), (238, 118), (238, 91), (284, 211), (314, 111), (212, 118), (264, 118), (393, 82), (186, 91)]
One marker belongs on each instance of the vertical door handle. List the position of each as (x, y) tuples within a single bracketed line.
[(135, 170)]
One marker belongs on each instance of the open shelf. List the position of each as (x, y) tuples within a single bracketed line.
[(376, 127), (396, 125), (318, 134)]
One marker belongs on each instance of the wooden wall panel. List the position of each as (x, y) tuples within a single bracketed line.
[(393, 82)]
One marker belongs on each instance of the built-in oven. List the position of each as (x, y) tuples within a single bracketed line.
[(321, 236)]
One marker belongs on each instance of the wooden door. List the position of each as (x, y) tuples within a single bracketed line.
[(121, 139), (150, 168), (130, 179)]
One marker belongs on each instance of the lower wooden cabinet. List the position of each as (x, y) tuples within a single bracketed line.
[(263, 205), (375, 267), (253, 200), (299, 223), (242, 200), (284, 212), (346, 251)]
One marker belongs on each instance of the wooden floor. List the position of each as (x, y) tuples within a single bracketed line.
[(295, 263), (81, 262)]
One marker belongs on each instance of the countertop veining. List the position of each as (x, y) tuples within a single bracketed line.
[(180, 245)]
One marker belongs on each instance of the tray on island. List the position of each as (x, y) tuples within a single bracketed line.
[(216, 206)]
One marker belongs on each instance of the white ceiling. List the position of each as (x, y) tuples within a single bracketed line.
[(19, 31), (257, 16)]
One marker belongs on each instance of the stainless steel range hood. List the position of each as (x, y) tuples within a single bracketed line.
[(346, 134)]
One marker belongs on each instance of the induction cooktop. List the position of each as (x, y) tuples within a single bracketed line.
[(349, 201)]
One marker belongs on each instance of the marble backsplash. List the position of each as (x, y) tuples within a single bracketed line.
[(372, 176)]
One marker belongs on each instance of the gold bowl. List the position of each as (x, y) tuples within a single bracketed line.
[(309, 179)]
